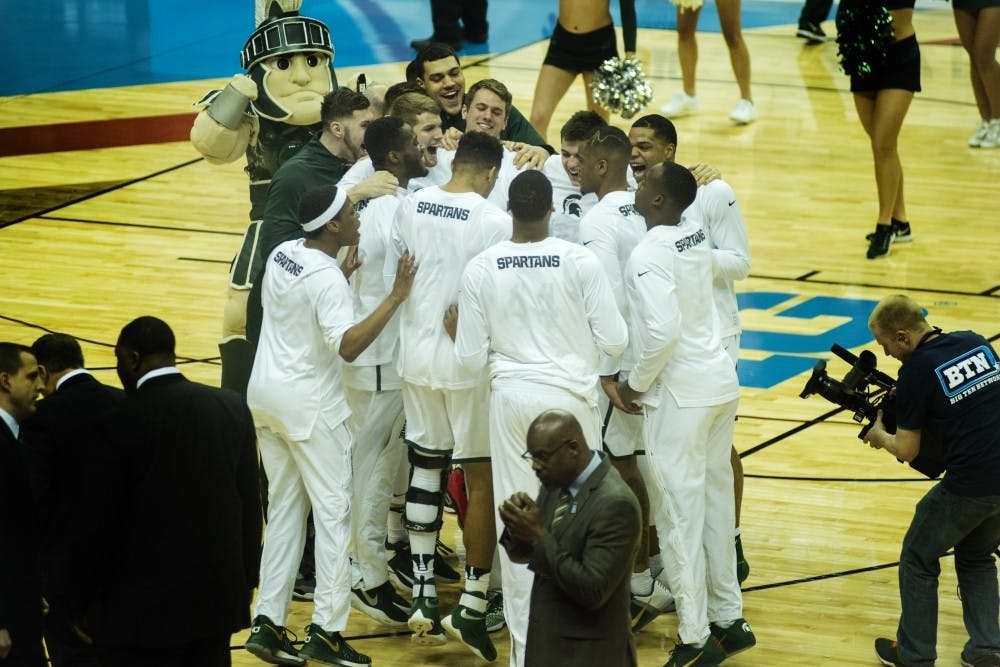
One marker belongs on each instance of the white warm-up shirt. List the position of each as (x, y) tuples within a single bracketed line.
[(716, 207), (568, 204), (308, 306), (369, 289), (443, 230), (674, 327), (540, 312), (610, 230)]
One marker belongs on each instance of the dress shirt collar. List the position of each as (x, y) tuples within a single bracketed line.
[(71, 374), (11, 423), (157, 372), (574, 488)]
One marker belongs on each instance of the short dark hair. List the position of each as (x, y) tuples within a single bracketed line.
[(58, 352), (149, 336), (581, 125), (675, 182), (494, 87), (381, 136), (10, 357), (610, 143), (428, 54), (530, 196), (397, 90), (663, 129), (340, 103), (478, 150)]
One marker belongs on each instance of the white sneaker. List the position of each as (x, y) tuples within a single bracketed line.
[(992, 138), (743, 113), (976, 140), (680, 104)]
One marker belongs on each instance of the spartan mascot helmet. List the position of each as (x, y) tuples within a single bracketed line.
[(271, 51)]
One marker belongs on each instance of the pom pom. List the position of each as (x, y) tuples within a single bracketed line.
[(864, 33), (621, 87)]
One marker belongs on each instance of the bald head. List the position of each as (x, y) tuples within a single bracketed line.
[(558, 448)]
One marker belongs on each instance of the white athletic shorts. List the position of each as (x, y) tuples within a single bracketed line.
[(454, 421)]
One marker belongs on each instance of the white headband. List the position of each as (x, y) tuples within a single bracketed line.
[(329, 213)]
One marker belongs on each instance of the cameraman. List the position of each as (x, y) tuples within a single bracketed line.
[(949, 386)]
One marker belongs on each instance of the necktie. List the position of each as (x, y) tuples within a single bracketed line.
[(562, 507)]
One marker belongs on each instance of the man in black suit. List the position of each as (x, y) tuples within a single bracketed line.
[(177, 517), (580, 540), (62, 436), (20, 581)]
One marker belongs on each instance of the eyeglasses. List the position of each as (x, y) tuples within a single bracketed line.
[(542, 457)]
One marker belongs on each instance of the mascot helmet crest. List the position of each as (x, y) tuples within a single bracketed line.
[(286, 34)]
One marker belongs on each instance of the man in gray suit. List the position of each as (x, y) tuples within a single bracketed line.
[(579, 538)]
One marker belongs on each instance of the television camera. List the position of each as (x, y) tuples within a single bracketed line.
[(864, 391)]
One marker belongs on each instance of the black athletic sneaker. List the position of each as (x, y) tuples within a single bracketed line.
[(689, 655), (269, 642), (880, 242), (984, 660), (383, 604), (901, 232), (887, 652), (811, 32), (736, 638), (329, 648)]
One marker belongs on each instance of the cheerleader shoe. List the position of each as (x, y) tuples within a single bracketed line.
[(743, 113), (680, 104)]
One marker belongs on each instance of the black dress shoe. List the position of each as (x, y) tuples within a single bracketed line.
[(421, 44)]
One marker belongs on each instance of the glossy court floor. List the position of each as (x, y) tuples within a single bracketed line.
[(107, 213)]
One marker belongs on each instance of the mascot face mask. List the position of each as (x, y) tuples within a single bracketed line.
[(290, 59), (296, 83)]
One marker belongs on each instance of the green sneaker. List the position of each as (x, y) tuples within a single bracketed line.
[(329, 648), (689, 655), (736, 638), (442, 568), (270, 643), (742, 566), (425, 622), (494, 611), (383, 604), (469, 627)]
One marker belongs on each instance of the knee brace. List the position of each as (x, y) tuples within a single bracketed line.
[(416, 496)]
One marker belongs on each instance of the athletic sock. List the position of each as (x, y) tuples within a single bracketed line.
[(477, 582)]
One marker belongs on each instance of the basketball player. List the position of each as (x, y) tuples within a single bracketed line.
[(687, 385), (654, 139), (374, 390), (611, 229), (445, 404), (540, 310), (297, 399)]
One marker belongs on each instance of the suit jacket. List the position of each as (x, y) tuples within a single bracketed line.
[(580, 597), (178, 502), (20, 581), (62, 437)]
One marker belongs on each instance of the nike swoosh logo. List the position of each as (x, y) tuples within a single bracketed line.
[(588, 242), (732, 202), (464, 613), (644, 273)]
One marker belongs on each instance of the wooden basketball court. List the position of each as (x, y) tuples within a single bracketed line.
[(95, 237)]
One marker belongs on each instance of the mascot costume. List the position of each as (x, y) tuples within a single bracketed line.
[(266, 114)]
